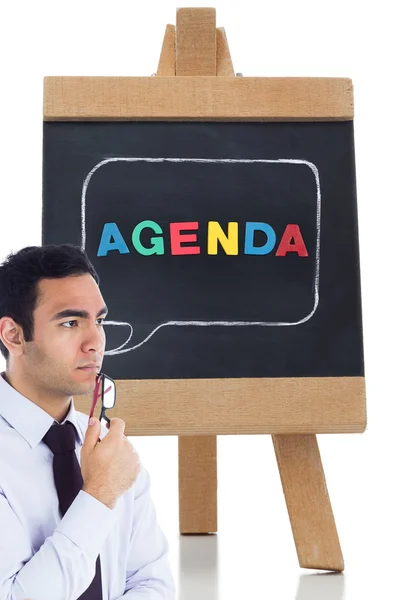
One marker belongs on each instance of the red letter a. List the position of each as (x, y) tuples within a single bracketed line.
[(292, 232)]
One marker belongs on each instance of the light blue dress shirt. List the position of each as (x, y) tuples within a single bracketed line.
[(46, 557)]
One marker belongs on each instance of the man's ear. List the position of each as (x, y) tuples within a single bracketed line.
[(12, 336)]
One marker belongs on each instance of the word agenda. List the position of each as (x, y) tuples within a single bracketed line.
[(291, 240)]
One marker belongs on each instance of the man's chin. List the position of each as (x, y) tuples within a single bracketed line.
[(82, 388)]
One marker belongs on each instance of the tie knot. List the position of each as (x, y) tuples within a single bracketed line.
[(60, 438)]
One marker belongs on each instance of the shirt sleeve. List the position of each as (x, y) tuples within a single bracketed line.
[(64, 566), (149, 575)]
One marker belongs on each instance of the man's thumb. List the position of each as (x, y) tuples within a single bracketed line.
[(92, 432)]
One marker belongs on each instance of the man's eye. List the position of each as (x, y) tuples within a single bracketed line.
[(101, 319), (68, 324)]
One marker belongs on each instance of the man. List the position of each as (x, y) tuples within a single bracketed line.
[(52, 337)]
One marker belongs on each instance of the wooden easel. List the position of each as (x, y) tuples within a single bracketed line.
[(195, 47), (195, 82)]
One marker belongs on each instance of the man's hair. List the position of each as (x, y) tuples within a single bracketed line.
[(21, 272)]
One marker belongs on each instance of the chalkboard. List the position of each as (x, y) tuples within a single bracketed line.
[(223, 249)]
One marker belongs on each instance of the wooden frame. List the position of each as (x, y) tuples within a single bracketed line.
[(197, 99), (240, 406), (195, 81)]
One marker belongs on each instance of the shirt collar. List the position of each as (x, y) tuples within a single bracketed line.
[(26, 417)]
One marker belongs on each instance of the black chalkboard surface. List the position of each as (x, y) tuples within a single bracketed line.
[(278, 296)]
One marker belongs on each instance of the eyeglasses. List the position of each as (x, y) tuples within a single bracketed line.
[(106, 390)]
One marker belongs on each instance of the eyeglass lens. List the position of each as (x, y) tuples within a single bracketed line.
[(109, 393)]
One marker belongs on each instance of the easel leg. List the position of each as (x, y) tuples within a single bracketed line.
[(308, 503), (198, 484)]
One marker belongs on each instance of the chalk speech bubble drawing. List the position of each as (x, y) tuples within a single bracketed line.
[(136, 212)]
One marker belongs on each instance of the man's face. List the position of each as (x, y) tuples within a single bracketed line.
[(67, 336)]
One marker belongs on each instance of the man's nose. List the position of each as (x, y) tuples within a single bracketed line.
[(94, 339)]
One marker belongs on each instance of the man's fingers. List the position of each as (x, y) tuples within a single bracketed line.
[(92, 435), (117, 426)]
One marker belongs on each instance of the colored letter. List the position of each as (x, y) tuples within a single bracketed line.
[(228, 242), (158, 242), (110, 230), (249, 247), (178, 238), (292, 232)]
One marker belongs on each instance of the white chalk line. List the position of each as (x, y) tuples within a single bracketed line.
[(121, 349)]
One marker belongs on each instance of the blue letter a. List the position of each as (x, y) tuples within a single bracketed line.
[(110, 230)]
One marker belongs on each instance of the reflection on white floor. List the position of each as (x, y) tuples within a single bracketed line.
[(253, 555), (318, 586), (198, 567), (199, 577)]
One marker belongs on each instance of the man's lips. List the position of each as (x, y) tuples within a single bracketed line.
[(90, 368)]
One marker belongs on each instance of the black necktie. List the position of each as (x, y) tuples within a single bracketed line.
[(68, 479)]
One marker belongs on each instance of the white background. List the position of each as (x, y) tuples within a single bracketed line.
[(253, 555)]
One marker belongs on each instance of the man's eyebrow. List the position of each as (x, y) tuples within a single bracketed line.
[(75, 312)]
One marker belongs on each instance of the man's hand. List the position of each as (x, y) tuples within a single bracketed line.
[(110, 467)]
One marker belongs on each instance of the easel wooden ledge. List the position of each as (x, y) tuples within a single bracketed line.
[(195, 64)]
